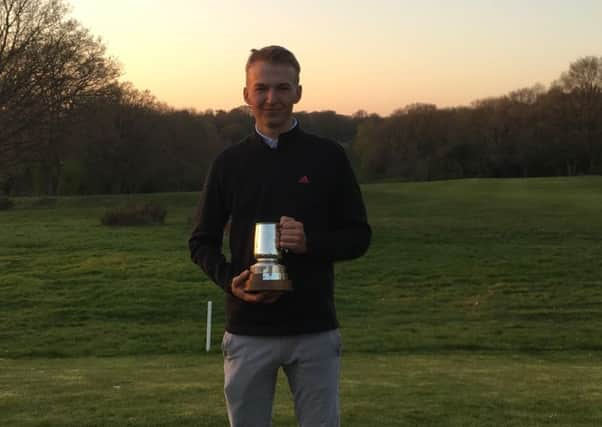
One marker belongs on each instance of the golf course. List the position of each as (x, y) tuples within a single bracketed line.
[(479, 303)]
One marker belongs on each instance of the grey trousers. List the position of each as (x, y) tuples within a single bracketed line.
[(311, 363)]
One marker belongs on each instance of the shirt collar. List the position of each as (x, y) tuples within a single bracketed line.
[(273, 142)]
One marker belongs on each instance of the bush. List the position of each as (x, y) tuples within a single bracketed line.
[(138, 214), (6, 203)]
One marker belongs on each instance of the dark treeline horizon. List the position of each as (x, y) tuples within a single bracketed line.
[(69, 127)]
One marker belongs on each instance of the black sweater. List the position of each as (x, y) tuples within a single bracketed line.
[(305, 177)]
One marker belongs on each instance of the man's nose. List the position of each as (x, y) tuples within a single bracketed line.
[(271, 96)]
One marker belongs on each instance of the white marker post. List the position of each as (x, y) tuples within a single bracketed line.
[(208, 340)]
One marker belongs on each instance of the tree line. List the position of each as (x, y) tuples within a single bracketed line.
[(532, 131), (69, 126)]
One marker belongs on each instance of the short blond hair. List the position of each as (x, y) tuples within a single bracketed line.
[(274, 55)]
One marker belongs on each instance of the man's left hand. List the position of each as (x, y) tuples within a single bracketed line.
[(292, 235)]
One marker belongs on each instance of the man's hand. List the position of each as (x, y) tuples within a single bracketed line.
[(292, 235), (237, 287)]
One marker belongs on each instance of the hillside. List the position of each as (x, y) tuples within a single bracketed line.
[(489, 265)]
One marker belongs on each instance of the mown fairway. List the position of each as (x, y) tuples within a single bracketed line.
[(479, 303)]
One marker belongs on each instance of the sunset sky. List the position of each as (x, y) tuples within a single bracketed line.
[(374, 55)]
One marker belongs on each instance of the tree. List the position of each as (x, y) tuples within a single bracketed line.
[(582, 85), (49, 66)]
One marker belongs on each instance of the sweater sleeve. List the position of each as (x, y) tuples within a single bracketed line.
[(350, 233), (205, 243)]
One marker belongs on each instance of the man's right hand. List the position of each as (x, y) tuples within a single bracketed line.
[(237, 287)]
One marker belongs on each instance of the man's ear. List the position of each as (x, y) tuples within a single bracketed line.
[(299, 92), (245, 95)]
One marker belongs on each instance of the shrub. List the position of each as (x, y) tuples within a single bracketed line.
[(138, 214), (6, 203)]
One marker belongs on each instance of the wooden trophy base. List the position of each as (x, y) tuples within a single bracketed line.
[(256, 283)]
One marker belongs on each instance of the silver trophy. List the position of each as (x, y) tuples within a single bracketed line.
[(267, 274)]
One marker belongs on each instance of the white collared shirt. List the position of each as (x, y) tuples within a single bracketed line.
[(273, 142)]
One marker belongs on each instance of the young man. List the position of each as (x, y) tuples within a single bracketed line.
[(305, 183)]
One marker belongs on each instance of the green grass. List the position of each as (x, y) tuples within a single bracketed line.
[(464, 279), (457, 389)]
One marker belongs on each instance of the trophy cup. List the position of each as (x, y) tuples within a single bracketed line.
[(267, 274)]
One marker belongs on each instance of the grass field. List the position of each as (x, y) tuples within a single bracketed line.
[(456, 389), (478, 303)]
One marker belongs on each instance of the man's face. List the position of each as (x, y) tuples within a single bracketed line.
[(271, 92)]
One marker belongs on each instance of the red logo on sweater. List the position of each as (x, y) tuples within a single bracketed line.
[(303, 180)]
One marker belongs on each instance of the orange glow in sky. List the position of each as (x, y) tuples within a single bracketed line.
[(377, 56)]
